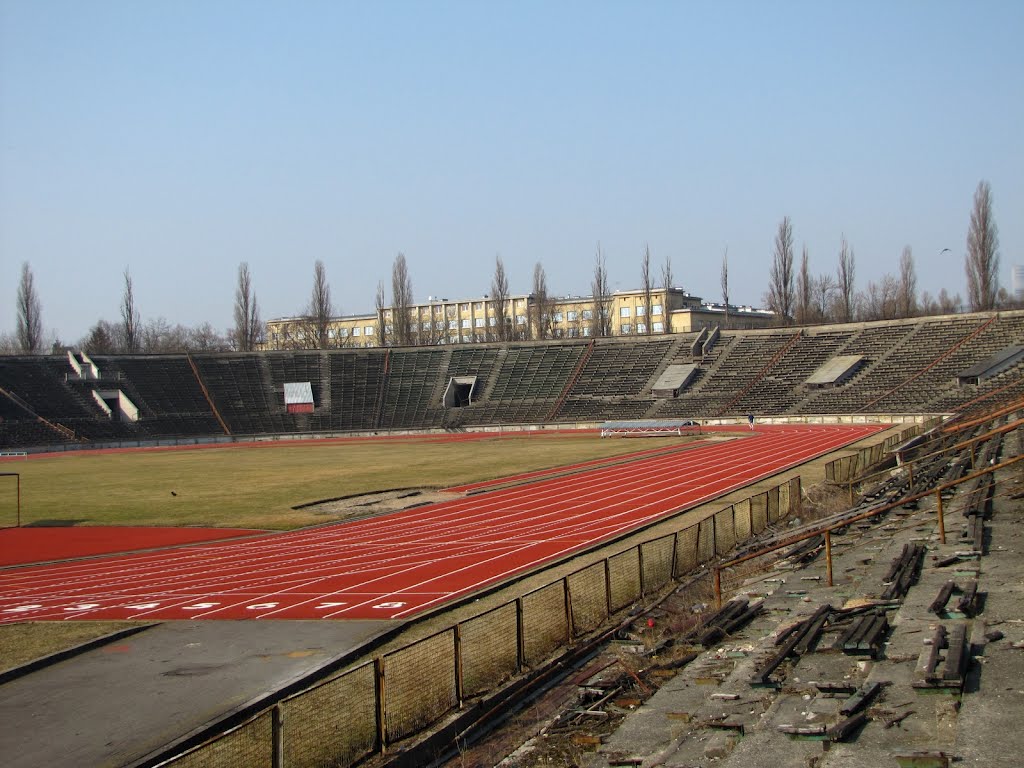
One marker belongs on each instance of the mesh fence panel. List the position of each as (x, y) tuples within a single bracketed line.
[(544, 622), (785, 509), (741, 521), (759, 511), (624, 578), (773, 503), (657, 563), (725, 531), (706, 540), (490, 652), (248, 746), (686, 550), (332, 724), (419, 684), (588, 598)]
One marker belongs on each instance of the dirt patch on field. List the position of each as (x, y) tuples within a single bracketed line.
[(372, 504)]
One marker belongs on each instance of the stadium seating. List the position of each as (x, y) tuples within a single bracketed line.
[(908, 366)]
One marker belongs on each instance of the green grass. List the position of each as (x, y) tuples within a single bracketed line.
[(257, 487)]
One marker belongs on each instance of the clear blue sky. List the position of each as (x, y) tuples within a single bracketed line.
[(181, 138)]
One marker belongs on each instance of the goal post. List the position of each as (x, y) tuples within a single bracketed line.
[(10, 500)]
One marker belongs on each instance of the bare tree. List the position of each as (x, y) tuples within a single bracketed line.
[(724, 279), (130, 322), (499, 299), (378, 302), (943, 304), (880, 301), (804, 290), (845, 282), (667, 280), (543, 305), (205, 338), (982, 263), (780, 280), (906, 302), (601, 318), (320, 311), (646, 289), (248, 330), (823, 288), (401, 301), (30, 320)]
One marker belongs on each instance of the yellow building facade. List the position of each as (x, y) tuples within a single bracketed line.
[(468, 321)]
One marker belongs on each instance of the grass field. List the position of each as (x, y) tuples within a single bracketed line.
[(240, 487)]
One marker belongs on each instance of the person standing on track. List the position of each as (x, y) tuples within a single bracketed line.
[(750, 421)]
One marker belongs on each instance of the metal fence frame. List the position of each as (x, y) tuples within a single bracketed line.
[(365, 710)]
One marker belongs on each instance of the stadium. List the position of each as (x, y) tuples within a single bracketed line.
[(373, 556)]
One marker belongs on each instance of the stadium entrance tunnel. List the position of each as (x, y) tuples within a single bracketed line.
[(459, 392)]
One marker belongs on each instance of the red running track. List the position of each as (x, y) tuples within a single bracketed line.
[(400, 564)]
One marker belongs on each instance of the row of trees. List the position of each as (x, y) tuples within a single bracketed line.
[(129, 334), (794, 294)]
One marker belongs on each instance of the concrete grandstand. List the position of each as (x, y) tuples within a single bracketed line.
[(901, 367)]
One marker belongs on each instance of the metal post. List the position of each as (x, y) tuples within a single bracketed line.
[(640, 564), (382, 723), (568, 610), (520, 636), (277, 736), (607, 587), (828, 556), (457, 650), (718, 587), (942, 522)]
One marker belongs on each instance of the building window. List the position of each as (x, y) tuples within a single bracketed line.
[(479, 322), (658, 327), (463, 307), (625, 328), (572, 315), (586, 330), (356, 331), (573, 333), (623, 311), (559, 333), (465, 322), (425, 326), (588, 314), (558, 317), (492, 321), (478, 306), (520, 319), (453, 325), (330, 333), (656, 309), (641, 327), (641, 310), (388, 329)]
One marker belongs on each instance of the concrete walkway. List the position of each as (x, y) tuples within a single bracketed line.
[(115, 705)]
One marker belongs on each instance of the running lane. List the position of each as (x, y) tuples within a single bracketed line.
[(400, 564)]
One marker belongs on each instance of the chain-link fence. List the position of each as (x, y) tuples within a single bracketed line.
[(343, 720)]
